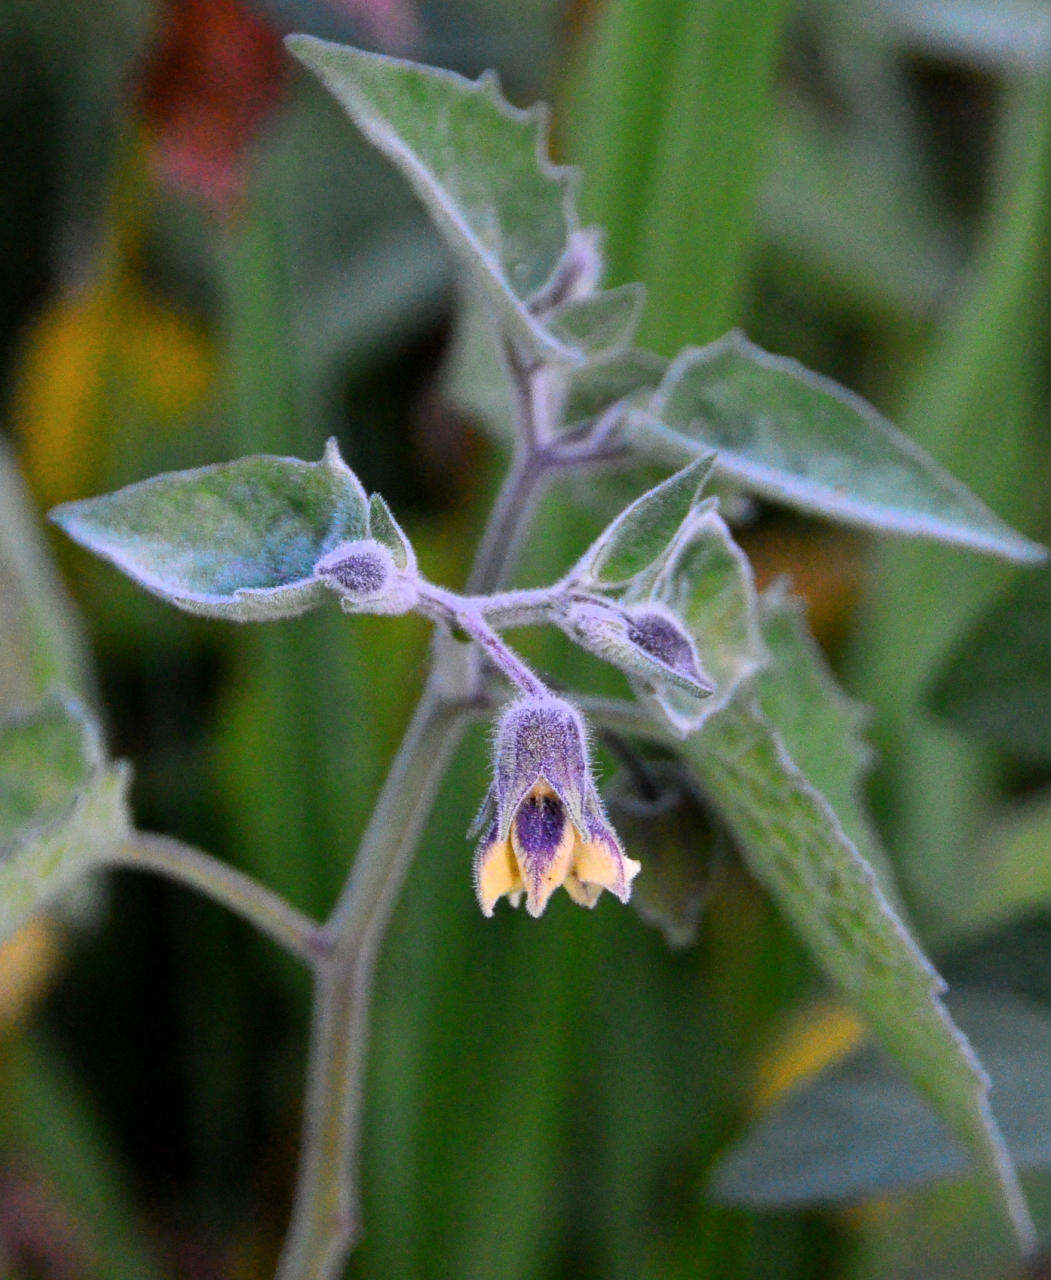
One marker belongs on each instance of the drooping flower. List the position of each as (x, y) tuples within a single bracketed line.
[(543, 820)]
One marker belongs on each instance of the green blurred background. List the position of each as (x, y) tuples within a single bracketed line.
[(202, 259)]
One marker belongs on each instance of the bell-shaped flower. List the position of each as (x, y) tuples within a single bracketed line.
[(543, 821)]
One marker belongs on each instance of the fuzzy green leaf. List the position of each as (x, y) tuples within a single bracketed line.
[(602, 324), (820, 726), (797, 848), (643, 531), (39, 643), (624, 378), (386, 530), (237, 540), (61, 806), (705, 580), (799, 438), (481, 168)]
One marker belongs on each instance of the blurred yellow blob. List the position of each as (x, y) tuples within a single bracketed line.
[(29, 960), (817, 1037), (96, 364)]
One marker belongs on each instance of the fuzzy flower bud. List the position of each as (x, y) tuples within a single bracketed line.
[(366, 578), (646, 641), (543, 820)]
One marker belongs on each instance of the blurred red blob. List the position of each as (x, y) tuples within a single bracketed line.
[(216, 72)]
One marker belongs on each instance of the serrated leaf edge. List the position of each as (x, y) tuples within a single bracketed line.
[(388, 142), (992, 1153), (771, 483)]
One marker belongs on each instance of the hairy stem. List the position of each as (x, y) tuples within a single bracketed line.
[(325, 1213), (467, 614), (268, 911), (324, 1221)]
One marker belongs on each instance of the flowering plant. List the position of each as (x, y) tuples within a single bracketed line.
[(664, 594)]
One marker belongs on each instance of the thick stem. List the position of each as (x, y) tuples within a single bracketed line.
[(268, 911), (325, 1214)]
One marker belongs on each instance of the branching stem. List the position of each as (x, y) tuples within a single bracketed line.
[(325, 1221), (268, 911)]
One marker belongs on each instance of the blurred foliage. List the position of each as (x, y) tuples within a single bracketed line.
[(203, 260)]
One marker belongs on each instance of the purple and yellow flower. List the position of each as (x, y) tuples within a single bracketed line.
[(543, 820)]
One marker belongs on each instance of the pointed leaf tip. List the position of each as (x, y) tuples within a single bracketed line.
[(237, 540), (797, 437), (645, 529), (483, 171)]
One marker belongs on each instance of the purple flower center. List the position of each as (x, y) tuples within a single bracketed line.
[(539, 826)]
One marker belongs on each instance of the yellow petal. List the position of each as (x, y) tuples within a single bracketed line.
[(495, 873), (584, 895), (600, 862)]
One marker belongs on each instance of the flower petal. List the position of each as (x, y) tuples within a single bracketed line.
[(495, 871), (601, 861), (543, 839), (584, 895)]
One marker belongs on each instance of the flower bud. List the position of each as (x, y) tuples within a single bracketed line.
[(367, 580), (543, 821), (646, 641)]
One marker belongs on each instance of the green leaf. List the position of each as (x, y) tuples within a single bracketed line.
[(386, 530), (799, 438), (602, 324), (997, 681), (858, 1130), (596, 387), (1009, 873), (237, 540), (705, 580), (481, 168), (796, 847), (61, 806), (643, 531), (39, 644), (821, 728)]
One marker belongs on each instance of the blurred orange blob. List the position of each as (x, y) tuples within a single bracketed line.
[(93, 362), (815, 1038), (29, 961)]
